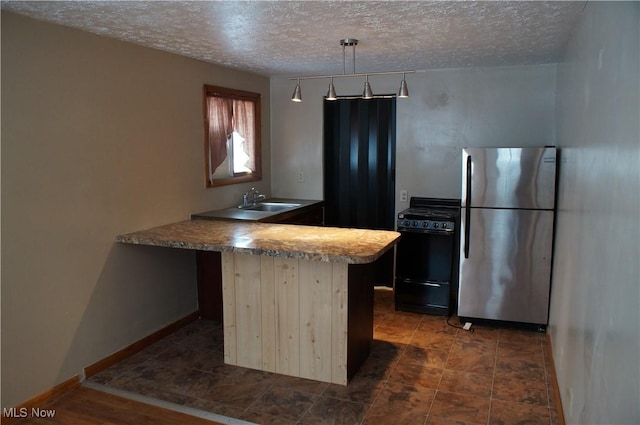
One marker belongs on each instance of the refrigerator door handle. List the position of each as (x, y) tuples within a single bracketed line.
[(467, 214)]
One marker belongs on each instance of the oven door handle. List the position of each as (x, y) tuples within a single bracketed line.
[(467, 210), (423, 283)]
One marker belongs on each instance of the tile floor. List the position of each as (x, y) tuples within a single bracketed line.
[(420, 371)]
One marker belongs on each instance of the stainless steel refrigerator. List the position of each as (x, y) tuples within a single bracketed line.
[(506, 234)]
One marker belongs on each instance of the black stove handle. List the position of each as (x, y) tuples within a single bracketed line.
[(467, 210)]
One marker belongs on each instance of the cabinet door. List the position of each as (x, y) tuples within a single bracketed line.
[(209, 284), (312, 217)]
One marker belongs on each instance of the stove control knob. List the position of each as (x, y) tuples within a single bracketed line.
[(407, 223), (415, 224), (444, 225), (435, 225), (425, 224)]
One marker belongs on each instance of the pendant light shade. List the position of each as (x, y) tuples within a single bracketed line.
[(367, 93), (404, 91), (297, 93), (331, 94)]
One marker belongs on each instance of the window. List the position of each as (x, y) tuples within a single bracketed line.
[(232, 136)]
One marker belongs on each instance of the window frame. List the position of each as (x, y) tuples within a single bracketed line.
[(233, 94)]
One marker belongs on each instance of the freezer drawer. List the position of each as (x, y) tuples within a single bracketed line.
[(505, 264)]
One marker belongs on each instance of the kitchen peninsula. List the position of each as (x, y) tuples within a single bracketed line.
[(297, 300)]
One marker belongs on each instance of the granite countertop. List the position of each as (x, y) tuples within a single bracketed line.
[(354, 246)]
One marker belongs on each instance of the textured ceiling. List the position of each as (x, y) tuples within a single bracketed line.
[(286, 38)]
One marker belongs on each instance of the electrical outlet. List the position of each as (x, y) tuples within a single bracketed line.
[(404, 196), (300, 176)]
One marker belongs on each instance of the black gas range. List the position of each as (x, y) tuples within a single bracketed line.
[(427, 256)]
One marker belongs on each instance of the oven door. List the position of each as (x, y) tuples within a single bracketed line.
[(424, 271), (425, 257)]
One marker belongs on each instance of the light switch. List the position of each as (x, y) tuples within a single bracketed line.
[(300, 176)]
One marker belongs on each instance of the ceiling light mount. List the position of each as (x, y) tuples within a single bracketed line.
[(348, 42), (367, 93)]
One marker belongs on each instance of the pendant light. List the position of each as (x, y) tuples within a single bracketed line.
[(297, 93), (404, 91), (367, 93), (331, 94)]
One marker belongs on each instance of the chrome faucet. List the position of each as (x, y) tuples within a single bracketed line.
[(251, 197)]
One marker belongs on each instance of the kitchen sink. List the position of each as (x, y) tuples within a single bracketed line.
[(270, 206), (270, 210)]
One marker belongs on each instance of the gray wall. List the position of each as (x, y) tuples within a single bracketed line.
[(446, 111), (99, 138), (595, 320)]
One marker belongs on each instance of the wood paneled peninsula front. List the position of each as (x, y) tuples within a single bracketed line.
[(297, 300)]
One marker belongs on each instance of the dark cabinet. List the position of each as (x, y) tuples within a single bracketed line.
[(309, 216), (209, 285)]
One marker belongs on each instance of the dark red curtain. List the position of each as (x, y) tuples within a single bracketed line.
[(220, 112)]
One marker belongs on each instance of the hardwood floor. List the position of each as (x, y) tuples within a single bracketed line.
[(86, 406)]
